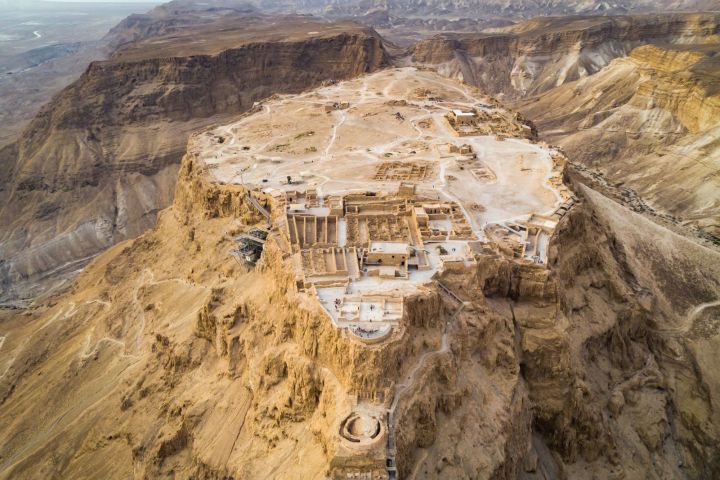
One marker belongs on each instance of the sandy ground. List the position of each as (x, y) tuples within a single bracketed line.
[(390, 119), (383, 129)]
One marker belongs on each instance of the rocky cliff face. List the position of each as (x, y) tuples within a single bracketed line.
[(173, 16), (174, 360), (648, 121), (632, 303), (99, 161), (682, 81), (600, 353), (634, 97), (474, 8), (206, 370), (537, 55)]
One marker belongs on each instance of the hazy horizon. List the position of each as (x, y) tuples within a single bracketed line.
[(40, 3)]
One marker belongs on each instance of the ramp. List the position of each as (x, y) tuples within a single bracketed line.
[(260, 208)]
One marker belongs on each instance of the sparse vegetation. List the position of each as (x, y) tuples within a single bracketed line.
[(309, 133)]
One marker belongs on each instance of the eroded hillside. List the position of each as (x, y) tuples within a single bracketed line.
[(427, 9), (633, 98), (99, 161), (534, 56), (648, 121), (573, 338)]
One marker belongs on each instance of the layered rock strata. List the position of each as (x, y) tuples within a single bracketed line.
[(534, 56), (646, 122), (99, 161), (173, 359)]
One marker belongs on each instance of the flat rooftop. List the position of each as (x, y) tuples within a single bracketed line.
[(389, 247)]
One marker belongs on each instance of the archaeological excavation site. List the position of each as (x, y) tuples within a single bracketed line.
[(376, 203), (393, 211), (332, 243)]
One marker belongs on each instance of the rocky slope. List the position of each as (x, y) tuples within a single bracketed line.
[(173, 16), (659, 107), (475, 8), (642, 309), (172, 359), (535, 56), (99, 161), (203, 369), (45, 47), (530, 8), (634, 97)]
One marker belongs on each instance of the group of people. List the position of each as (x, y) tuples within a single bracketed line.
[(364, 333)]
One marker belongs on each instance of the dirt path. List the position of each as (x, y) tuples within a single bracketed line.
[(326, 154), (686, 324), (412, 377), (697, 310), (419, 463)]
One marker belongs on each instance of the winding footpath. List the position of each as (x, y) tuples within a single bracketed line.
[(411, 379), (689, 320)]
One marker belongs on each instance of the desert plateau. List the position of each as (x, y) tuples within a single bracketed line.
[(366, 240)]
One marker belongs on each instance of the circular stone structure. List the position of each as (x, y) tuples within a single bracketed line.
[(371, 334), (361, 428)]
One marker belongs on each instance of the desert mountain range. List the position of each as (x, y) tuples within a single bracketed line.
[(192, 237)]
